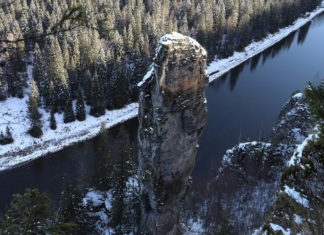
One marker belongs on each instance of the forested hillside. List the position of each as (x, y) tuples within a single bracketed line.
[(105, 46)]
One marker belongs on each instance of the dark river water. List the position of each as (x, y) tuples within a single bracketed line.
[(242, 105)]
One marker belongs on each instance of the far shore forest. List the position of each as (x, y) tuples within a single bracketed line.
[(95, 52)]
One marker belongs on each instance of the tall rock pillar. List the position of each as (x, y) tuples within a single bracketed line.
[(172, 116)]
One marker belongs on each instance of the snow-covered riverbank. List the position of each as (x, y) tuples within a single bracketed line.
[(219, 67), (13, 112)]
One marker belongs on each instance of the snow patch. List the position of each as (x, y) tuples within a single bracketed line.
[(298, 219), (195, 227), (108, 200), (93, 198), (257, 231), (295, 159), (174, 37), (109, 231), (253, 143), (298, 96), (296, 195), (147, 76), (277, 227), (99, 207), (297, 135)]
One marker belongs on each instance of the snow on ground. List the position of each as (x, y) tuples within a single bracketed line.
[(253, 143), (257, 231), (93, 198), (147, 76), (295, 159), (99, 205), (195, 227), (296, 195), (298, 96), (298, 219), (227, 158), (102, 211), (108, 200), (13, 111), (297, 135), (277, 227), (221, 66)]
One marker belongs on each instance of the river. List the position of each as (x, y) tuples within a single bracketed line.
[(243, 105)]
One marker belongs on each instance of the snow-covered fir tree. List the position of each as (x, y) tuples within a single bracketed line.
[(34, 115)]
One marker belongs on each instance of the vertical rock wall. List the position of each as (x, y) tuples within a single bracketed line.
[(172, 116)]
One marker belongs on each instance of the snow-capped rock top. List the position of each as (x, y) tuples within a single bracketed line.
[(178, 41)]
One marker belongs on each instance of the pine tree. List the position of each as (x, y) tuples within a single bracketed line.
[(14, 70), (87, 84), (75, 77), (66, 54), (39, 72), (34, 116), (75, 57), (2, 91), (315, 99), (31, 213), (80, 107), (27, 213), (57, 74), (8, 136), (68, 112), (120, 85), (2, 138), (98, 98), (53, 121)]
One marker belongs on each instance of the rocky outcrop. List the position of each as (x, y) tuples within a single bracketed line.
[(294, 123), (299, 206), (244, 191), (172, 116)]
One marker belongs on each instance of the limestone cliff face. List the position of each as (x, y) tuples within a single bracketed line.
[(172, 116)]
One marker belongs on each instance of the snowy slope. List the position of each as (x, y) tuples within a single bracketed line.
[(13, 111)]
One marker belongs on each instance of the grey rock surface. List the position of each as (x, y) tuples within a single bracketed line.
[(172, 116), (244, 190)]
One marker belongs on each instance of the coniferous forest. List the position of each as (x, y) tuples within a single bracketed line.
[(95, 52)]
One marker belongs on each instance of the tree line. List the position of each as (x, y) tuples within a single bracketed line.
[(99, 65)]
